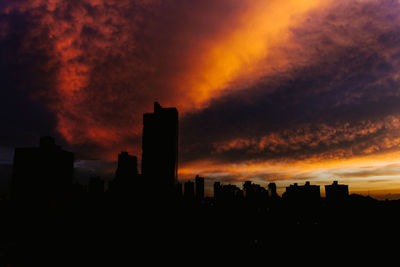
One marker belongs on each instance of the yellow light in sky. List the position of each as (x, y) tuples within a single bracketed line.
[(263, 25), (315, 169)]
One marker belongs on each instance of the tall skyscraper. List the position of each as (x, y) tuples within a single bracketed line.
[(160, 148), (42, 174)]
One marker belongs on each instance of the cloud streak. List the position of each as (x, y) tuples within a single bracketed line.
[(256, 82), (337, 101), (110, 59)]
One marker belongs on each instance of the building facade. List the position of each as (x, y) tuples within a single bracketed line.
[(42, 174), (160, 147)]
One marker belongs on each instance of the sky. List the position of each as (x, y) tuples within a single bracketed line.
[(277, 91)]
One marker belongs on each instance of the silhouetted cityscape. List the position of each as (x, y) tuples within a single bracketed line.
[(153, 207)]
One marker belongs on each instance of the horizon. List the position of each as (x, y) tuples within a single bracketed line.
[(283, 91), (83, 179)]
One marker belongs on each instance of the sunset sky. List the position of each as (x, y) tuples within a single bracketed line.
[(267, 90)]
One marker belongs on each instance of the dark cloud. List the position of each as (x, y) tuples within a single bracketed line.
[(24, 75), (85, 71), (343, 83), (97, 66)]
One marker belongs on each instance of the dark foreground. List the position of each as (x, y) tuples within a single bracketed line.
[(93, 228)]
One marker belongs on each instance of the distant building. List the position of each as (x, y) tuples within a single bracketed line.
[(127, 166), (42, 174), (189, 190), (126, 180), (305, 192), (199, 187), (227, 192), (160, 147), (254, 192), (217, 189), (336, 191), (272, 190)]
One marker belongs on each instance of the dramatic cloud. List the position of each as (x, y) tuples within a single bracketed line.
[(268, 90), (338, 100), (111, 59)]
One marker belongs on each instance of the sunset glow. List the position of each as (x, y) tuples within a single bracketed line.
[(283, 91)]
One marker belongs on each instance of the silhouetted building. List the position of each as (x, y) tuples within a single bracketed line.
[(254, 192), (199, 187), (336, 191), (127, 166), (305, 192), (126, 182), (42, 174), (272, 190), (227, 193), (217, 189), (160, 147), (96, 186), (189, 190)]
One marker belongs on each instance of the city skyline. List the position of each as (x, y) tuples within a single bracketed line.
[(45, 173), (47, 170), (46, 206), (269, 91), (151, 130)]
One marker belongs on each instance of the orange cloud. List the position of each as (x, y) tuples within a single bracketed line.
[(340, 140), (234, 57), (89, 35), (112, 58)]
